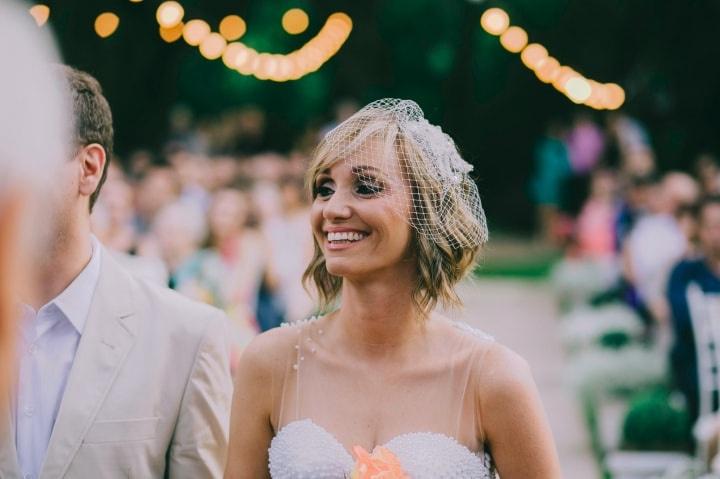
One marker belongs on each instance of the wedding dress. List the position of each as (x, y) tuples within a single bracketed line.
[(429, 415)]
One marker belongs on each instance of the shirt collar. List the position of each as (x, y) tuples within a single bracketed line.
[(74, 302)]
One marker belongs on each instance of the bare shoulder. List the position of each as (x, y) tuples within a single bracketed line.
[(268, 353), (503, 373)]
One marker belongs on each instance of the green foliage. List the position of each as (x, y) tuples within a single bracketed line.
[(654, 422)]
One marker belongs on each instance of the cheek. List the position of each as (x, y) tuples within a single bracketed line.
[(316, 218)]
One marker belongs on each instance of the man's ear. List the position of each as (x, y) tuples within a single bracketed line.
[(92, 162)]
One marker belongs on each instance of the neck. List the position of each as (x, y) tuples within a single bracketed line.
[(378, 316), (69, 252)]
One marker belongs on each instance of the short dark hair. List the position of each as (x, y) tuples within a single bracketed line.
[(92, 116)]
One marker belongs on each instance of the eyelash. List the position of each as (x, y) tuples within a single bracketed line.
[(373, 189)]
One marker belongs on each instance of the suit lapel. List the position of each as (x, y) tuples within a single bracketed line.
[(108, 336), (9, 467)]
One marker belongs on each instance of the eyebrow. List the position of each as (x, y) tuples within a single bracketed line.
[(369, 171)]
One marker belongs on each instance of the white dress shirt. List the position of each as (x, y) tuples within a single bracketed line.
[(48, 345)]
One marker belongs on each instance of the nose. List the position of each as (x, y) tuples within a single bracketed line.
[(337, 207)]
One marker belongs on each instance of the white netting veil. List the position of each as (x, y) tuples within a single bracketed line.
[(395, 151)]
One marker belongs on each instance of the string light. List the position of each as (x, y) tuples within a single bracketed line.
[(213, 46), (495, 21), (533, 54), (172, 34), (295, 21), (232, 27), (536, 57), (169, 14), (514, 39), (615, 96), (41, 14), (106, 24), (578, 89), (547, 70), (195, 32)]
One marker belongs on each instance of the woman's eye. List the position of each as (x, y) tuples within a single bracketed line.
[(323, 190), (368, 188)]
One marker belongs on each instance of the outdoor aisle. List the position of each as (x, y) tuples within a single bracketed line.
[(521, 315)]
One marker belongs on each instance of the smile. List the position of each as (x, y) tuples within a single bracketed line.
[(343, 238)]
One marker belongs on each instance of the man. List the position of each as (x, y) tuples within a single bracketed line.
[(705, 272), (32, 108), (117, 378)]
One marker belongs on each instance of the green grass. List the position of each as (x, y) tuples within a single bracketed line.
[(518, 259)]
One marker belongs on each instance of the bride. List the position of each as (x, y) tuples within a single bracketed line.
[(381, 382)]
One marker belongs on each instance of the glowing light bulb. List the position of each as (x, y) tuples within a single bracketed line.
[(213, 46), (248, 64), (548, 70), (615, 96), (232, 27), (578, 89), (41, 14), (295, 21), (172, 34), (514, 39), (195, 32), (565, 73), (169, 14), (495, 21), (106, 24), (533, 54)]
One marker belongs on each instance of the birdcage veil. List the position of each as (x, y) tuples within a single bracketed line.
[(390, 145)]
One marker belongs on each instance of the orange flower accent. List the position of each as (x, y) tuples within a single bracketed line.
[(381, 464)]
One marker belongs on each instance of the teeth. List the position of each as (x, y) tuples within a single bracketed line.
[(346, 236)]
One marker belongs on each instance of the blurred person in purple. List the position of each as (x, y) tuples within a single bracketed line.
[(585, 144)]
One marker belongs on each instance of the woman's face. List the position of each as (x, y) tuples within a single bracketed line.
[(360, 218)]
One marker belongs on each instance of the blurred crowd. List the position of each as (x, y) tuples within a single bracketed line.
[(217, 218), (642, 235)]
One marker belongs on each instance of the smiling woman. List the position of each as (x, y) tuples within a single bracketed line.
[(397, 222), (390, 154)]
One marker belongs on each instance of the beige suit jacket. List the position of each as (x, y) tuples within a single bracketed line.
[(148, 394)]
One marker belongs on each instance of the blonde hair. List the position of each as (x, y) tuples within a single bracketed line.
[(441, 263)]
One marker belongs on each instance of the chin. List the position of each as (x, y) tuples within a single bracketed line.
[(345, 267)]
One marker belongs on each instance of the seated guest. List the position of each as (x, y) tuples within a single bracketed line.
[(657, 242), (705, 272)]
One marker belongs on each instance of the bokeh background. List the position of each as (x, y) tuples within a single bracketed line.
[(663, 53), (593, 177)]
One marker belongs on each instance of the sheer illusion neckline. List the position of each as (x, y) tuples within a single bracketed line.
[(309, 423)]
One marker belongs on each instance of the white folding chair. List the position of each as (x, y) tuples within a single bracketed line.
[(705, 316)]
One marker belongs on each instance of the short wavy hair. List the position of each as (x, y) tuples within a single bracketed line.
[(441, 263)]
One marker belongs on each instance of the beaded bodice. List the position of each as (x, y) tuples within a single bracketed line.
[(431, 417)]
